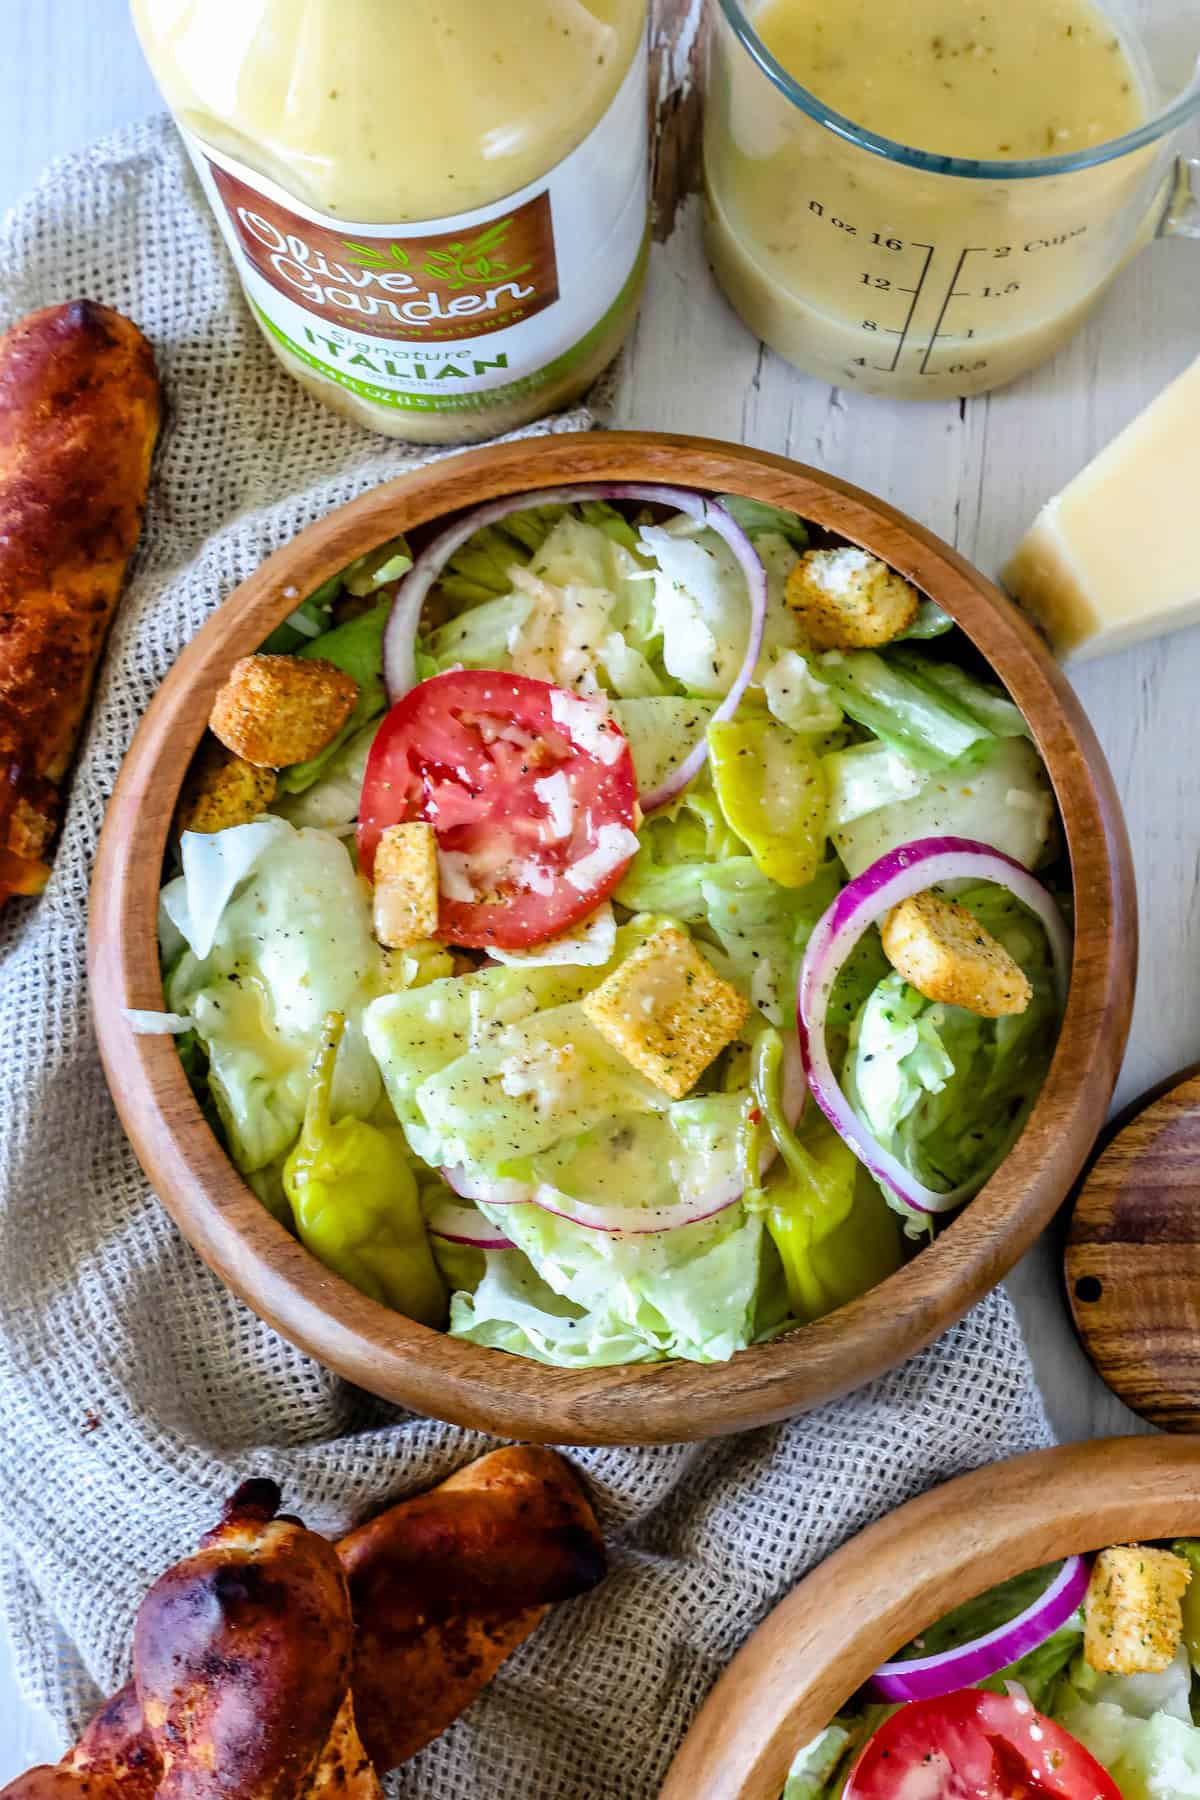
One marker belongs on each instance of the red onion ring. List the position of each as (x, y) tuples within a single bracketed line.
[(616, 1219), (469, 1185), (458, 1225), (862, 902), (929, 1677), (399, 662)]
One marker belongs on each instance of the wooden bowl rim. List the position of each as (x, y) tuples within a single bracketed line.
[(666, 1402), (867, 1599)]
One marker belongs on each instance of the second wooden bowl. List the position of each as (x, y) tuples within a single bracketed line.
[(896, 1578), (406, 1362)]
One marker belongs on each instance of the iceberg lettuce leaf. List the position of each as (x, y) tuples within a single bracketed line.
[(941, 1088), (999, 793), (356, 647), (286, 938)]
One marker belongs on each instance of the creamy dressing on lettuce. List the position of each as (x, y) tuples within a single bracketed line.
[(496, 1071)]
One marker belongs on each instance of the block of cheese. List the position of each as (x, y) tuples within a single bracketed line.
[(1116, 556)]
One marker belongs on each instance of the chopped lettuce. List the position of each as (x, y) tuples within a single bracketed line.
[(357, 648), (998, 793), (815, 1764), (414, 1034), (1189, 1549), (661, 731), (314, 616), (278, 934), (797, 698), (479, 638), (688, 1293), (930, 622), (941, 1088), (866, 777), (482, 568), (644, 1160), (908, 714), (1139, 1726), (1160, 1760), (1139, 1696), (574, 609), (763, 928), (679, 847), (701, 607), (539, 1081), (332, 801), (986, 703), (368, 573), (511, 1308), (692, 867), (757, 516)]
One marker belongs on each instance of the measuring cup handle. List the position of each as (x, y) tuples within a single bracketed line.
[(1182, 215)]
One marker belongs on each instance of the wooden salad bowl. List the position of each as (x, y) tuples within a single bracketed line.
[(657, 1403), (878, 1591)]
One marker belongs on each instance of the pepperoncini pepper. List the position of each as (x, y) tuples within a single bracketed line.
[(835, 1233), (354, 1199), (772, 790), (1189, 1549)]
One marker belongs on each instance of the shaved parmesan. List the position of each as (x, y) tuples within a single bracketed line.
[(554, 791), (590, 945), (454, 876), (531, 875), (589, 724), (615, 845)]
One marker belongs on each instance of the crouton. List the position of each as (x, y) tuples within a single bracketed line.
[(847, 599), (667, 1011), (406, 885), (1133, 1621), (222, 790), (945, 953), (277, 710)]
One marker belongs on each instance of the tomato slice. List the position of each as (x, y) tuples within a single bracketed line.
[(976, 1746), (530, 791)]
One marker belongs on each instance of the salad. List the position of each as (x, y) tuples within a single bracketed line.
[(613, 934), (1075, 1682)]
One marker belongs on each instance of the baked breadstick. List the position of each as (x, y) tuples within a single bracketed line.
[(79, 416), (446, 1585), (255, 1626)]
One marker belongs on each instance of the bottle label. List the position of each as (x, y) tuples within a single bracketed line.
[(452, 314)]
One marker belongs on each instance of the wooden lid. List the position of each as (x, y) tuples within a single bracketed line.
[(1133, 1256)]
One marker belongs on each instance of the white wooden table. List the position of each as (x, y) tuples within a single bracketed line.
[(976, 474)]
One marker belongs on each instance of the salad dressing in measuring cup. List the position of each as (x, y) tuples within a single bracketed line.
[(437, 208), (926, 200)]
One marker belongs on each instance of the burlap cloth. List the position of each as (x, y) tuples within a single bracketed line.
[(134, 1390)]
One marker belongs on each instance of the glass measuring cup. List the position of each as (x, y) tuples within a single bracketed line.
[(921, 276)]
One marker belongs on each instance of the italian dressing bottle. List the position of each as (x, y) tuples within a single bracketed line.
[(437, 208)]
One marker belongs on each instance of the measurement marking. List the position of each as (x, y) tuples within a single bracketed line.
[(952, 292), (912, 306)]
